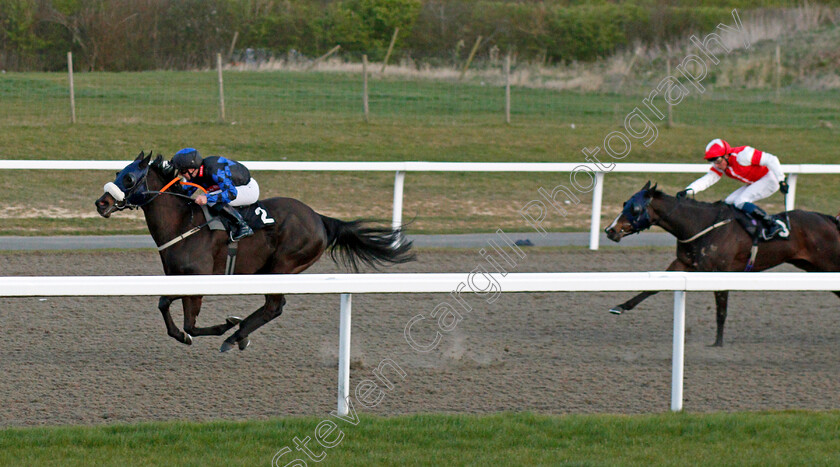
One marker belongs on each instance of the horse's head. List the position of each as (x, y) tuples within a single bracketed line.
[(128, 190), (634, 217)]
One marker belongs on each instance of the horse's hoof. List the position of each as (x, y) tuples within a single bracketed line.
[(617, 310), (233, 320), (225, 346), (187, 339), (244, 343)]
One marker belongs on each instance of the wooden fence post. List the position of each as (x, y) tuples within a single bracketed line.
[(323, 57), (778, 70), (670, 109), (390, 49), (365, 88), (470, 58), (507, 88), (72, 90), (232, 45), (221, 88)]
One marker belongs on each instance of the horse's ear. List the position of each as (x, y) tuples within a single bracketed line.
[(654, 187), (145, 161), (140, 156), (647, 186)]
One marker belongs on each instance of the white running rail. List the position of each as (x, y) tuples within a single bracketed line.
[(346, 284), (400, 169)]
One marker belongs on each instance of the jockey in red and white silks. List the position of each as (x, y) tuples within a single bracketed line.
[(761, 171)]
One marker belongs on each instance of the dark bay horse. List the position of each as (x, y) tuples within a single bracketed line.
[(297, 238), (813, 245)]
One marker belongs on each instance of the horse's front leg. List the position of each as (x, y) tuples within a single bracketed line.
[(171, 329), (721, 300), (192, 307), (630, 304), (676, 265)]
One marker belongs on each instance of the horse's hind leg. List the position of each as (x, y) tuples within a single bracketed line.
[(192, 307), (171, 329), (273, 308), (722, 301)]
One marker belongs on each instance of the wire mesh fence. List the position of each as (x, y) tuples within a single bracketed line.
[(323, 96)]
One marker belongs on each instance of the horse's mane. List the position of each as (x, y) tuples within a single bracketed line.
[(656, 193), (166, 172)]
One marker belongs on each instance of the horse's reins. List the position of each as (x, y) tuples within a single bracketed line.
[(753, 249), (182, 236), (162, 192), (700, 233), (182, 182), (188, 232), (705, 231)]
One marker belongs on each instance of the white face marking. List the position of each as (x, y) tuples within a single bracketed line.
[(614, 222)]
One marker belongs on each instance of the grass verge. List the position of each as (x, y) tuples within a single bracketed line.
[(768, 438)]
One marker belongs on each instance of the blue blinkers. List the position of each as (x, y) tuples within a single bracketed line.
[(132, 181), (636, 212)]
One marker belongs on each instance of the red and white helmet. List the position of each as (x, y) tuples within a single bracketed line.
[(716, 148)]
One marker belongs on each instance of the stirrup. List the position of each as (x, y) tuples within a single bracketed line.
[(241, 232), (783, 229), (778, 228)]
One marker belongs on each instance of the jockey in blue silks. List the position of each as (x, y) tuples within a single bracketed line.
[(228, 184)]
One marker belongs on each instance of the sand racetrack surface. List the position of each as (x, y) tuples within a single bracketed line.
[(90, 360)]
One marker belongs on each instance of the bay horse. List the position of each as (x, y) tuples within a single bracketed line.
[(709, 239), (296, 240)]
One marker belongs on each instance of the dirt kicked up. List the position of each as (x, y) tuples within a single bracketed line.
[(90, 360)]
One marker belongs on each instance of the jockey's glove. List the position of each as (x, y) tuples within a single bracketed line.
[(682, 194), (783, 186)]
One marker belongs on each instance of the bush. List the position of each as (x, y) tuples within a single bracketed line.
[(117, 35)]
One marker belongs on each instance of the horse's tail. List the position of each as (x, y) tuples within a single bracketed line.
[(355, 241)]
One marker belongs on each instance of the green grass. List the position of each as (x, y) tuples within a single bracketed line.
[(772, 438), (317, 116)]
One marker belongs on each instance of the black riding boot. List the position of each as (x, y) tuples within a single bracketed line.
[(241, 229), (771, 225)]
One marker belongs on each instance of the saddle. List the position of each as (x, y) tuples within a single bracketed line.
[(256, 215), (755, 228)]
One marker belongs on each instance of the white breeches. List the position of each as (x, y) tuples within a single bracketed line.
[(246, 194), (763, 188)]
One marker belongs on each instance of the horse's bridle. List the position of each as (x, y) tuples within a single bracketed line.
[(131, 200), (138, 195), (644, 221)]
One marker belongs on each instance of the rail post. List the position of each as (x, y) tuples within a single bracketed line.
[(677, 360), (790, 199), (595, 225), (344, 354), (399, 180)]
